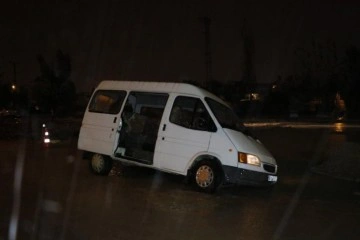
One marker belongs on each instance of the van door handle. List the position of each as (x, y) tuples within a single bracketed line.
[(164, 127), (115, 120)]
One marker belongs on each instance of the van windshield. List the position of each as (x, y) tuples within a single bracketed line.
[(226, 116)]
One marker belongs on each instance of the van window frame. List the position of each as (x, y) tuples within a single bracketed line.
[(211, 126)]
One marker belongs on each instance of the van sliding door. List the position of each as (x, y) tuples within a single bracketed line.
[(140, 125)]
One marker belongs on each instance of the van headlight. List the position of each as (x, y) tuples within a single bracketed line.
[(248, 159)]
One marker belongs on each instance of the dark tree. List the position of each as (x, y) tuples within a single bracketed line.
[(44, 88), (318, 69), (351, 85), (63, 66), (53, 90)]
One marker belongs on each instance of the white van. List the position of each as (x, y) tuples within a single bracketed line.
[(173, 127)]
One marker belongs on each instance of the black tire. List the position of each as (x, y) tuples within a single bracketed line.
[(206, 176), (100, 164)]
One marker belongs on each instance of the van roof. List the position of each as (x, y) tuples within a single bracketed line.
[(160, 87)]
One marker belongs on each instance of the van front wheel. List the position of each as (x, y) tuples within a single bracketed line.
[(205, 177), (100, 164)]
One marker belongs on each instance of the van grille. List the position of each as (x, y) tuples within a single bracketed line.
[(269, 168)]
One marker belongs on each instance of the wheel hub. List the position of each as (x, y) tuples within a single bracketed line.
[(97, 162), (204, 176)]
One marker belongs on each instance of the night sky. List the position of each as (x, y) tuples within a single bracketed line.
[(164, 40)]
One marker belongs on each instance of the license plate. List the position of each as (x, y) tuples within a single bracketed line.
[(272, 178)]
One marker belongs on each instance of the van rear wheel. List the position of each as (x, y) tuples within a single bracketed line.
[(206, 176), (100, 164)]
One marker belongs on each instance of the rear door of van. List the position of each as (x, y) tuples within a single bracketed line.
[(99, 130)]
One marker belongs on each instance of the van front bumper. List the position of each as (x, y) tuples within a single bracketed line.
[(247, 177)]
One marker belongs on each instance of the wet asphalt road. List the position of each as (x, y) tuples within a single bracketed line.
[(61, 199)]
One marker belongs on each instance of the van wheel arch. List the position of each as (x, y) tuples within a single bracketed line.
[(208, 165), (87, 155)]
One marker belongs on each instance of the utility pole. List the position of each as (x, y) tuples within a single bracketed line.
[(208, 59)]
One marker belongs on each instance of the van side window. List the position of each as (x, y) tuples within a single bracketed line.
[(191, 113), (107, 101)]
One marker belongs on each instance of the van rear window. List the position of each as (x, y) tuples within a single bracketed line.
[(107, 101)]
